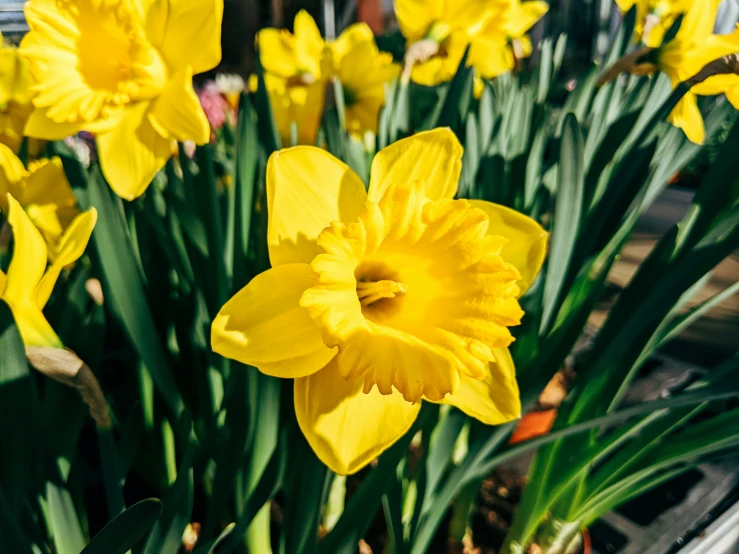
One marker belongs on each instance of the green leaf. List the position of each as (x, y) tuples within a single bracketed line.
[(65, 525), (270, 482), (18, 414), (567, 215), (111, 477), (126, 290), (166, 535), (212, 545), (268, 133), (125, 530), (454, 102)]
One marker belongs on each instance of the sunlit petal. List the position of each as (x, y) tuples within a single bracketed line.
[(307, 189), (263, 325), (346, 428), (432, 157)]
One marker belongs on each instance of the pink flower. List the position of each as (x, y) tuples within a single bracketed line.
[(214, 104)]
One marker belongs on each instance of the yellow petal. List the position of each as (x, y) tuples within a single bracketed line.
[(263, 325), (308, 44), (71, 246), (432, 157), (29, 254), (415, 17), (354, 35), (132, 153), (177, 112), (277, 52), (42, 127), (495, 398), (12, 173), (687, 116), (307, 189), (25, 271), (193, 34), (491, 55), (526, 17), (346, 428), (718, 84), (526, 247)]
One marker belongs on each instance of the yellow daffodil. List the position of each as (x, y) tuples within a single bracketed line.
[(42, 190), (694, 47), (654, 17), (296, 67), (683, 57), (378, 300), (502, 41), (437, 34), (15, 96), (29, 283), (364, 72), (122, 69), (495, 30)]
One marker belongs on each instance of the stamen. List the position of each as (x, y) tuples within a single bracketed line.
[(369, 292)]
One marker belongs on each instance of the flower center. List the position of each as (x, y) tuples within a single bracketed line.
[(370, 292), (413, 294)]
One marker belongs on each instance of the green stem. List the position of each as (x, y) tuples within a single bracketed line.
[(257, 535)]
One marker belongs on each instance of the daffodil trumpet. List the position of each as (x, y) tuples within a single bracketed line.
[(378, 300)]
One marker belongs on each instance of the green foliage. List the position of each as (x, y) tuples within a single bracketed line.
[(216, 441)]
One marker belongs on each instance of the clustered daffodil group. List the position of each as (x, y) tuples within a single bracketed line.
[(683, 56), (378, 300), (298, 67)]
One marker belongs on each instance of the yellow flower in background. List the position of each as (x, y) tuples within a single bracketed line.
[(300, 57), (364, 72), (654, 17), (437, 34), (502, 42), (122, 69), (29, 283), (378, 300), (694, 47), (296, 67), (42, 190), (15, 96), (494, 29)]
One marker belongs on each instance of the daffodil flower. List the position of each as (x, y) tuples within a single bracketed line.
[(379, 300), (296, 67), (15, 96), (122, 69), (437, 34), (683, 57), (42, 190), (694, 47), (364, 72), (654, 18), (29, 283), (502, 42)]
